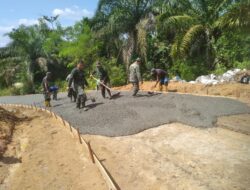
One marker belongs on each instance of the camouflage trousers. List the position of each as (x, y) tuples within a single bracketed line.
[(46, 96), (136, 88)]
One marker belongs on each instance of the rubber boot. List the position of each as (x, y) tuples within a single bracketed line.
[(78, 105), (103, 92), (110, 95), (47, 103)]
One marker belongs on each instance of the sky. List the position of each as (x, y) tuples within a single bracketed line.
[(16, 12)]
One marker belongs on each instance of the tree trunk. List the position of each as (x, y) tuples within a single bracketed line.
[(30, 73), (129, 50)]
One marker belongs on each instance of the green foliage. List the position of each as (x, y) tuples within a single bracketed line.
[(183, 70), (242, 65), (219, 69), (188, 38), (81, 45), (117, 72), (5, 92), (236, 17)]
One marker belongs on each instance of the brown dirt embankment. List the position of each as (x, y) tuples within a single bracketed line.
[(43, 155), (235, 90), (7, 124)]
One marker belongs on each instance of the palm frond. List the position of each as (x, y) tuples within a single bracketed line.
[(190, 37), (179, 22), (174, 50), (237, 16)]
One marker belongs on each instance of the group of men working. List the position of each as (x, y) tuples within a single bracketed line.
[(77, 81)]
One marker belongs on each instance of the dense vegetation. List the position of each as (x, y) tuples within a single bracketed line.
[(186, 37)]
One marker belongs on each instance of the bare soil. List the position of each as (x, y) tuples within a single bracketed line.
[(43, 155), (177, 156), (236, 90), (7, 124)]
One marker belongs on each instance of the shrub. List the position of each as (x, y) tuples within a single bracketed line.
[(242, 65)]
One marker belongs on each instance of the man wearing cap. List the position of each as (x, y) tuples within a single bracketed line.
[(46, 89), (135, 75), (161, 77), (102, 74), (79, 81)]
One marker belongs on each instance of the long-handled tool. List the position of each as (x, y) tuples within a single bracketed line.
[(114, 95)]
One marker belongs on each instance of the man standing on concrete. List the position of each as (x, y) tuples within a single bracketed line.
[(102, 74), (46, 89), (135, 75), (161, 77), (79, 81)]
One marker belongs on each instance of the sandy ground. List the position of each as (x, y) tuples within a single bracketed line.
[(177, 157), (234, 90), (43, 155), (238, 123)]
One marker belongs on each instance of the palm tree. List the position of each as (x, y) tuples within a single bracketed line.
[(10, 65), (121, 20), (29, 42), (195, 28), (236, 17)]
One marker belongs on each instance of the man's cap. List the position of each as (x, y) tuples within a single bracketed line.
[(138, 59), (48, 73)]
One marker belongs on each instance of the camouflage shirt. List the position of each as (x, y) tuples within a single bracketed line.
[(134, 73)]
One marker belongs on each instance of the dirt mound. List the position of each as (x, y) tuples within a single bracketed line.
[(7, 124), (241, 91)]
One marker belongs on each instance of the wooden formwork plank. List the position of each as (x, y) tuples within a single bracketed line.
[(106, 175)]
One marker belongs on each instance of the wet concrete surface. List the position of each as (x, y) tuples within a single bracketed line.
[(126, 115)]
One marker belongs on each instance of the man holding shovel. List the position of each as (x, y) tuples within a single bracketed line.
[(102, 75), (135, 75)]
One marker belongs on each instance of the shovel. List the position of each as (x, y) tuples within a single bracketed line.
[(114, 95)]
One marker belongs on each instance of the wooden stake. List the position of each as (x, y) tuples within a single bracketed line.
[(35, 106), (55, 115), (70, 128), (79, 136), (63, 122), (91, 152)]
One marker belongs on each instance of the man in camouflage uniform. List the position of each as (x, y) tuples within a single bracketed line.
[(79, 81), (135, 75), (46, 89), (102, 74)]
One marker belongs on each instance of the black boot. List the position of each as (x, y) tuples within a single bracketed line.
[(78, 105)]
